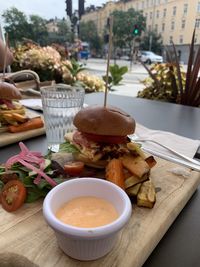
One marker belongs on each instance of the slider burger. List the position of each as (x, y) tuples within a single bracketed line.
[(101, 134), (10, 108)]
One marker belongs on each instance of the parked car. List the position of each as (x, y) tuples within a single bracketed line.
[(150, 57)]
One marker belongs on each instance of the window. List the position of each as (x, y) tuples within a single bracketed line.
[(164, 12), (147, 3), (142, 4), (198, 7), (183, 24), (163, 27), (174, 11), (181, 39), (157, 14), (172, 25), (195, 39), (146, 15), (149, 28), (197, 23), (156, 27), (170, 39), (151, 15), (185, 9)]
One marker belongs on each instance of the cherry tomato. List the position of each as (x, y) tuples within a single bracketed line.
[(111, 139), (74, 168), (13, 195)]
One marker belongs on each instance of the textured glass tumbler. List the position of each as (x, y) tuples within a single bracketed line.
[(60, 104)]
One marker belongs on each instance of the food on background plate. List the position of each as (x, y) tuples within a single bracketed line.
[(13, 116)]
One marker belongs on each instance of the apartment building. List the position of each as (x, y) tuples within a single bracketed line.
[(175, 20)]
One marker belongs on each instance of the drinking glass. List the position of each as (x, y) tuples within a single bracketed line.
[(60, 104)]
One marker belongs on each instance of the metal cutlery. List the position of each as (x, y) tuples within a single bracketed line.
[(194, 163)]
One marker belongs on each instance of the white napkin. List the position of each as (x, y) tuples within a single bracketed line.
[(32, 103), (181, 144)]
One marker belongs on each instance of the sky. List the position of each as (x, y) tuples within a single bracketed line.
[(44, 8)]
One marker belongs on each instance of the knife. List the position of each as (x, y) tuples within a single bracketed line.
[(173, 159)]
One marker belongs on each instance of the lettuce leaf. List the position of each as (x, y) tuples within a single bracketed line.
[(67, 147)]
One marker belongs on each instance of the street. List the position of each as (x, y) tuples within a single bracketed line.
[(130, 84)]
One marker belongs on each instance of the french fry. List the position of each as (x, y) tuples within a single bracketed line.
[(114, 172), (19, 117), (9, 119), (146, 196), (26, 126), (136, 165)]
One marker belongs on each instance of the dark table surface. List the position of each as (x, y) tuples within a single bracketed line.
[(180, 247)]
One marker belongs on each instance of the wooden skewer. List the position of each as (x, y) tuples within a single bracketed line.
[(5, 57), (109, 56)]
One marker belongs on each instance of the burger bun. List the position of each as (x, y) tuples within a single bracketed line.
[(9, 91), (101, 120)]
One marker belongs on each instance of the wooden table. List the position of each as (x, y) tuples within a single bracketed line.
[(179, 246)]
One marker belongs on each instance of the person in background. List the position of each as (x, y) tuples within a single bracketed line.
[(9, 57)]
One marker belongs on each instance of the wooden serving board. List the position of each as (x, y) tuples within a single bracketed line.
[(26, 233), (7, 138)]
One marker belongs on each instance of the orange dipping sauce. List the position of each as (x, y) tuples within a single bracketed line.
[(87, 212)]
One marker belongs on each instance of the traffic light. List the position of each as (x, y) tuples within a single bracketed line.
[(135, 31), (81, 8), (69, 7)]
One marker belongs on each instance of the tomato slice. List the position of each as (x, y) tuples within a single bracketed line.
[(111, 139), (13, 195), (74, 168)]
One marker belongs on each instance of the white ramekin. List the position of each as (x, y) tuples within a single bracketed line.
[(86, 243)]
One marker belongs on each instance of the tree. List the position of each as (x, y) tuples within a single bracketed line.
[(64, 30), (156, 42), (39, 32), (88, 33), (123, 26), (16, 25), (20, 27)]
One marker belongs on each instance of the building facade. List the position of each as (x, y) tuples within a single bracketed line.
[(175, 20)]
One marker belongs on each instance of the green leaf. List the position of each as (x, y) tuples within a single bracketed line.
[(34, 194), (117, 73), (109, 79), (67, 147)]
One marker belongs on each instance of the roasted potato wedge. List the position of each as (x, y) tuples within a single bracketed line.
[(133, 190), (146, 196), (133, 180), (151, 161), (136, 148), (136, 165)]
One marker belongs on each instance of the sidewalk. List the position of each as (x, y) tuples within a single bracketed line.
[(128, 87), (101, 64)]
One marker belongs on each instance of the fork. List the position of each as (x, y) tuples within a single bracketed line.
[(138, 140)]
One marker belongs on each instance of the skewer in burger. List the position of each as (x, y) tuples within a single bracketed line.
[(11, 111), (101, 134)]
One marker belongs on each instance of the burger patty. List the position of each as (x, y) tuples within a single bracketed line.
[(96, 151)]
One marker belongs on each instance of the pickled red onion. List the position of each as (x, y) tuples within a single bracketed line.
[(26, 158)]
